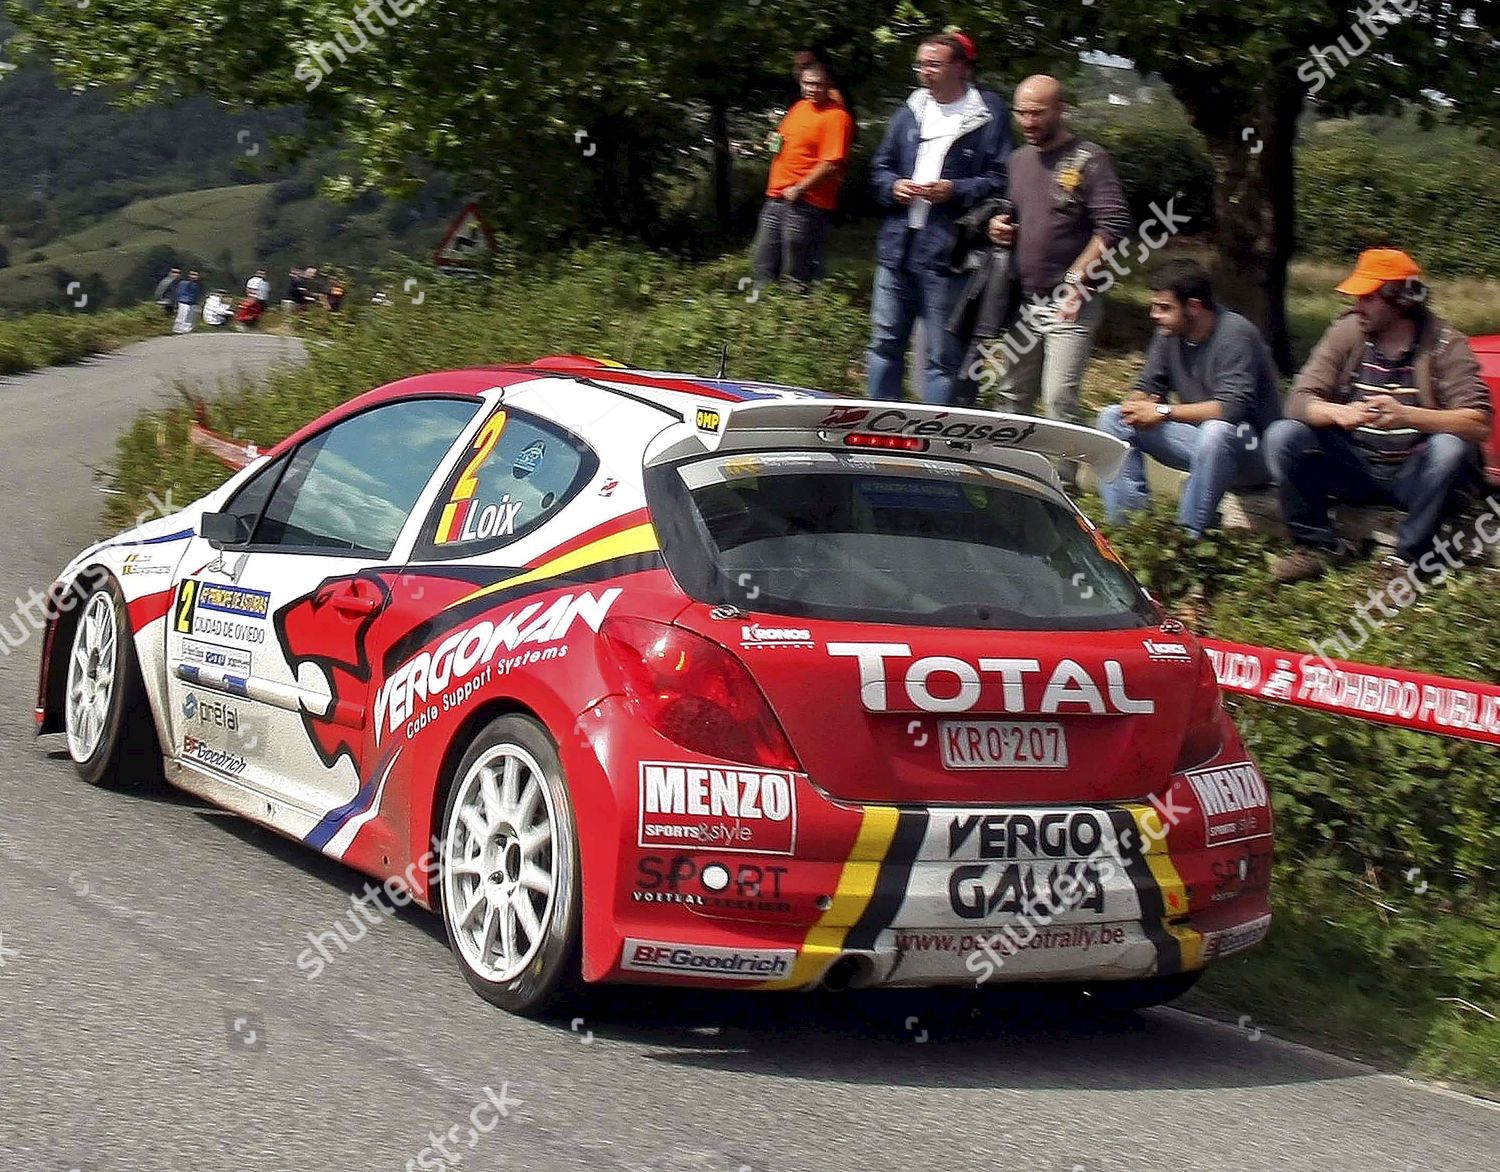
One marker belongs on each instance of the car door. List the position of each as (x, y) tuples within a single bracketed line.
[(319, 519)]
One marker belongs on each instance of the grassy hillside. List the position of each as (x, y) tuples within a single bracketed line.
[(218, 225)]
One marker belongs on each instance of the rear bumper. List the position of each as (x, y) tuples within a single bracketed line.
[(870, 895)]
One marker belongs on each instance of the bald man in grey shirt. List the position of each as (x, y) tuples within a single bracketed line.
[(1220, 370)]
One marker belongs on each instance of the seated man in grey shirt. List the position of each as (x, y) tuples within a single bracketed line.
[(1217, 365)]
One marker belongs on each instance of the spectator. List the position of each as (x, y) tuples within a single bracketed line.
[(165, 293), (299, 288), (838, 92), (1221, 372), (335, 295), (186, 296), (217, 308), (257, 299), (1389, 409), (944, 152), (802, 191), (1070, 208)]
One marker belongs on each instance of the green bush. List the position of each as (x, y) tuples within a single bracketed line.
[(46, 339), (1159, 157), (1354, 190), (1381, 798)]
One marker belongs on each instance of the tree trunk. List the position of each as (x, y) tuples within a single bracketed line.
[(1255, 207), (718, 129)]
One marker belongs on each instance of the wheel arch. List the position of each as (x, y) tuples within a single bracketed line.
[(426, 824), (65, 602)]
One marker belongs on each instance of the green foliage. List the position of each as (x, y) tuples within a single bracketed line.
[(46, 339), (1381, 799), (1159, 156), (1355, 193), (607, 301)]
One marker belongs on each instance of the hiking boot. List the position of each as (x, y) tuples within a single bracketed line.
[(1306, 562)]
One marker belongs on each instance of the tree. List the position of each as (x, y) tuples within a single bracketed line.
[(1247, 72), (556, 117)]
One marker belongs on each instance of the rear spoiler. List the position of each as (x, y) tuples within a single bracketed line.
[(827, 424)]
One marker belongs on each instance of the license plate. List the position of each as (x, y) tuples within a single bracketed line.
[(1003, 744)]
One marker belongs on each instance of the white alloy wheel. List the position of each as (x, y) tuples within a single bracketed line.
[(92, 676), (500, 868)]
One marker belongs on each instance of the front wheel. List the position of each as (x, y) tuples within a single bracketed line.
[(509, 872), (106, 715)]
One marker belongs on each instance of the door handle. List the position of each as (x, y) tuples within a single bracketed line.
[(354, 605)]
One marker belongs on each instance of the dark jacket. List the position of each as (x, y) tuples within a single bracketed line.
[(1447, 373), (984, 308), (188, 292), (975, 163)]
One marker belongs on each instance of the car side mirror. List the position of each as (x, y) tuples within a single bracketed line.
[(221, 529)]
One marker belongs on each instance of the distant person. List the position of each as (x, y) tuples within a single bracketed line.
[(335, 294), (1218, 368), (256, 300), (1390, 409), (187, 294), (165, 293), (802, 188), (217, 308), (943, 152), (299, 287), (1069, 209)]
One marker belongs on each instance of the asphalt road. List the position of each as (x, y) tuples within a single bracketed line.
[(152, 1015)]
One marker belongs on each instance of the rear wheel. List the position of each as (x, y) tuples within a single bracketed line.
[(509, 872), (106, 715)]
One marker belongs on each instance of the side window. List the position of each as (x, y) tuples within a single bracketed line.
[(517, 473), (351, 488), (251, 497)]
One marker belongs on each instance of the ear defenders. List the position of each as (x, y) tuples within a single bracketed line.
[(1405, 294)]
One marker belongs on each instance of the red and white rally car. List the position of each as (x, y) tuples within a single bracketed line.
[(654, 678)]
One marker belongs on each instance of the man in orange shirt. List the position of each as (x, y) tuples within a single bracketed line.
[(803, 188)]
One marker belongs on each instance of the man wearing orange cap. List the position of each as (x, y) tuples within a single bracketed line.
[(1390, 409)]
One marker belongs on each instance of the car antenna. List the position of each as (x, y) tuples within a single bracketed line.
[(723, 360)]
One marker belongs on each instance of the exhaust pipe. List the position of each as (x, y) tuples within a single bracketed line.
[(841, 974)]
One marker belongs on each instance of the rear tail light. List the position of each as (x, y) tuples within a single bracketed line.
[(695, 693), (1205, 727)]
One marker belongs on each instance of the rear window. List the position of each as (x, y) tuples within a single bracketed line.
[(882, 538)]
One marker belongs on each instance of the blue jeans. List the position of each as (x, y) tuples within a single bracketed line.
[(1216, 455), (900, 296), (1314, 465)]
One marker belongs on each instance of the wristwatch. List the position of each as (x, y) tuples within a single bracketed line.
[(1164, 410)]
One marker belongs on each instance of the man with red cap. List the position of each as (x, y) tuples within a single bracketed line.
[(1390, 409), (943, 152)]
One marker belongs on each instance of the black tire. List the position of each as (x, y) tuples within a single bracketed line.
[(126, 753), (1128, 996), (542, 977)]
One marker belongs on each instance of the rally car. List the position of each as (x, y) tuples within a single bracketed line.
[(639, 676)]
